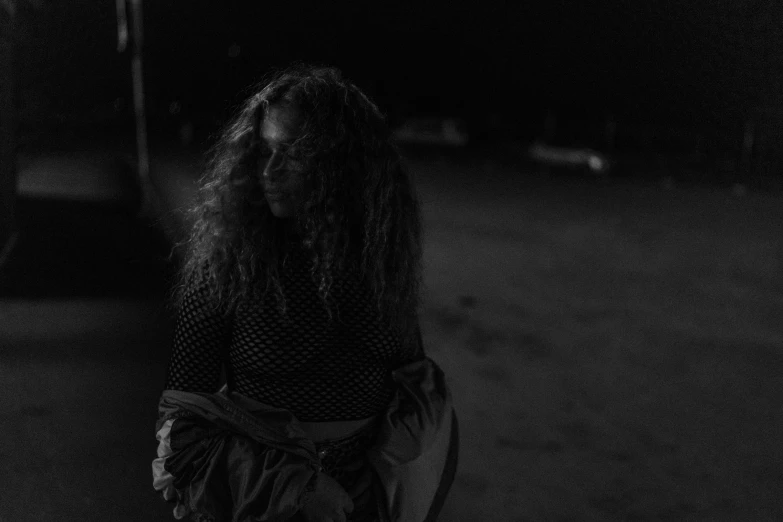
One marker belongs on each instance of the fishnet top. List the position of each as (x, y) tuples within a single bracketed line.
[(318, 370)]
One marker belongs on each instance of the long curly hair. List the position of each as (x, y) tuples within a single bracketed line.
[(359, 210)]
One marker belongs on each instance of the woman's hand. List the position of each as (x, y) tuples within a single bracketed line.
[(329, 502)]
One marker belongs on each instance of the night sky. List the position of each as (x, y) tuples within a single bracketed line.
[(700, 62)]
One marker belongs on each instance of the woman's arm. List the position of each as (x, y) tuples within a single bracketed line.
[(201, 338)]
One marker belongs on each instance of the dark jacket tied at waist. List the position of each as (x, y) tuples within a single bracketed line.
[(229, 458)]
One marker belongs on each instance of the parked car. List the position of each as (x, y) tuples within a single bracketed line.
[(450, 132)]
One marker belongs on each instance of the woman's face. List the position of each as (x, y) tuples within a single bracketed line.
[(281, 174)]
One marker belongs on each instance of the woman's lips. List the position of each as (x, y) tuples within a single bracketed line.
[(276, 196)]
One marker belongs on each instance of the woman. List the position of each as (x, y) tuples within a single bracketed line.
[(299, 292)]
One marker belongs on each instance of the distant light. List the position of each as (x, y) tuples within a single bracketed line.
[(596, 164), (175, 107), (234, 50)]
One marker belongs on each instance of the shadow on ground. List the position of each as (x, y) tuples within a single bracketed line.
[(68, 248)]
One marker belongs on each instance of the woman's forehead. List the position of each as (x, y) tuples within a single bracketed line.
[(281, 124)]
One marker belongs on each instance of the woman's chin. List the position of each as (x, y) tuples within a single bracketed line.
[(281, 209)]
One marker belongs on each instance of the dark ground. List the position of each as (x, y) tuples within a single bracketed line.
[(612, 347)]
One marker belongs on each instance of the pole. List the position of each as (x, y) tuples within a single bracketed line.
[(142, 150), (8, 132)]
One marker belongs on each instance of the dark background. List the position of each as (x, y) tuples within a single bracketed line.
[(695, 64)]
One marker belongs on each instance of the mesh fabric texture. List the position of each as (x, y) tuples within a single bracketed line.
[(320, 370)]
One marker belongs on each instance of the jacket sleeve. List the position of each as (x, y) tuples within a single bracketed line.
[(416, 451), (210, 471)]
